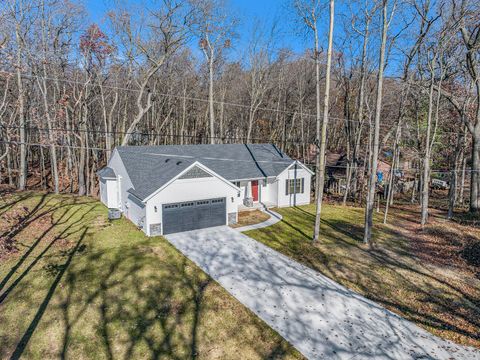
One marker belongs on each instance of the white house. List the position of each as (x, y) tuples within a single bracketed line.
[(173, 188)]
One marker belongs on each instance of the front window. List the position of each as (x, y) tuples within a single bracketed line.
[(294, 186)]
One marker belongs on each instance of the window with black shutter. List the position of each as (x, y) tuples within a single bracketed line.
[(294, 186)]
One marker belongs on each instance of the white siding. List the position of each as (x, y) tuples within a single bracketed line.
[(122, 178), (112, 194), (269, 191), (109, 193), (135, 211), (262, 190), (103, 192), (190, 190), (243, 189), (294, 199)]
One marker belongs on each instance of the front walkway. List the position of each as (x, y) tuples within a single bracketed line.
[(322, 319), (256, 206)]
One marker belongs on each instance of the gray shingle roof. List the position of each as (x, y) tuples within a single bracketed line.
[(150, 167), (106, 173)]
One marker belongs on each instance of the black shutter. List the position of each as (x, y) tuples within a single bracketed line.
[(303, 185), (286, 187)]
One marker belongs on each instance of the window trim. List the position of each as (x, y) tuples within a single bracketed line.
[(294, 186)]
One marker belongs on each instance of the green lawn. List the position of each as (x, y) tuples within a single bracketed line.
[(81, 287), (428, 276)]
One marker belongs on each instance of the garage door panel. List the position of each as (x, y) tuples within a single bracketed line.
[(193, 215)]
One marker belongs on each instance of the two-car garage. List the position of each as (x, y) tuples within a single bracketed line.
[(192, 201), (192, 215)]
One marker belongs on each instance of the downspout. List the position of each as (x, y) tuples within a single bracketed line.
[(119, 190), (295, 184)]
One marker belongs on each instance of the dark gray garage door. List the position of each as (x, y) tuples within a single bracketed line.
[(193, 215)]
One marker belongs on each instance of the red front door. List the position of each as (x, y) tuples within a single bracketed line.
[(255, 190)]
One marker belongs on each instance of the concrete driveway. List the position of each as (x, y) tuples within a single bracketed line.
[(322, 319)]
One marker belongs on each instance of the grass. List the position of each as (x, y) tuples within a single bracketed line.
[(74, 285), (428, 276), (250, 217)]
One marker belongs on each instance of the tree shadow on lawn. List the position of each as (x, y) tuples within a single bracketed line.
[(146, 305), (471, 254), (348, 229), (22, 220), (450, 250), (8, 199), (68, 228), (390, 273), (19, 349), (125, 301), (40, 210)]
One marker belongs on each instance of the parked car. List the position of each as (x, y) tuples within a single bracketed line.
[(439, 184)]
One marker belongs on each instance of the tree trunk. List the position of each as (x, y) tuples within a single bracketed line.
[(210, 99), (372, 181), (457, 160), (426, 159), (22, 178), (475, 176), (392, 175), (184, 115), (461, 196), (323, 135), (141, 109), (221, 117), (452, 193), (81, 164)]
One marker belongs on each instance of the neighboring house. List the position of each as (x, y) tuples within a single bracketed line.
[(337, 165), (172, 188)]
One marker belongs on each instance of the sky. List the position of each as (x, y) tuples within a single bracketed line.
[(267, 11)]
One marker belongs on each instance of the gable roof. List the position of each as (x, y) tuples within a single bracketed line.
[(195, 167), (296, 164), (151, 167), (106, 173)]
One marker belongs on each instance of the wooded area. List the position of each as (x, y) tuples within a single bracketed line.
[(403, 80)]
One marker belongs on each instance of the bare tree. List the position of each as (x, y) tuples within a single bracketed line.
[(323, 135), (19, 14), (167, 33), (259, 64), (309, 12), (469, 29), (426, 21), (355, 129), (372, 180), (215, 29), (54, 22), (431, 64)]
